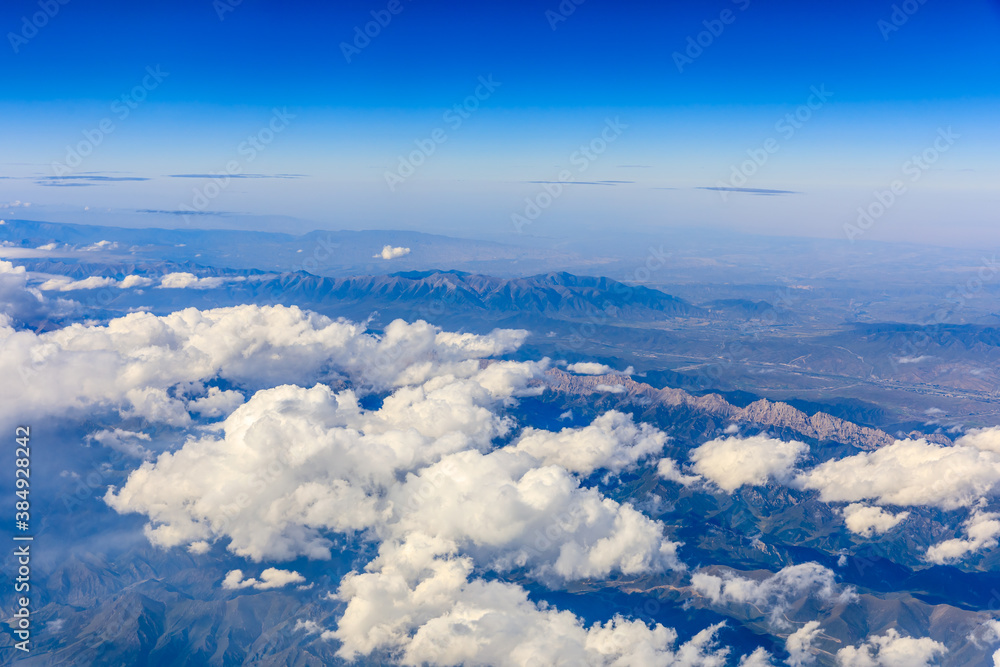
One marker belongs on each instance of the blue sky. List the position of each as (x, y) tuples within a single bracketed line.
[(77, 79)]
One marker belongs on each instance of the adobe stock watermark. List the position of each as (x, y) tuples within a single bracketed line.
[(885, 199), (363, 35), (30, 25), (562, 12), (323, 251), (223, 7), (581, 158), (901, 13), (121, 109), (696, 44), (582, 333), (916, 343), (454, 118), (248, 150), (786, 127)]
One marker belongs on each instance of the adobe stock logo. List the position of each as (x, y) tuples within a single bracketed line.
[(901, 13), (696, 44), (915, 167), (31, 25), (454, 117)]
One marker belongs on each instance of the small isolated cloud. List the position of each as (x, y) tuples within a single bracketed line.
[(184, 280), (913, 360), (216, 402), (610, 388), (270, 578), (309, 627), (68, 285), (891, 650), (134, 281), (733, 462), (669, 470), (589, 368), (774, 594), (866, 520), (390, 252), (982, 531), (100, 245), (125, 442), (799, 645)]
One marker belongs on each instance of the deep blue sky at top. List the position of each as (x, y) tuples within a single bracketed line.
[(604, 54), (355, 119)]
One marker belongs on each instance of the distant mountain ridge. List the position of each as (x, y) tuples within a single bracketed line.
[(819, 426), (549, 293)]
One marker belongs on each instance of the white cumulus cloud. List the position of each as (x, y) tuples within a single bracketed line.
[(733, 462), (775, 593), (269, 578), (867, 521), (891, 650), (390, 252)]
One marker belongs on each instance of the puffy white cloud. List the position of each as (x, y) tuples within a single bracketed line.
[(67, 284), (610, 388), (132, 363), (269, 578), (509, 513), (867, 521), (294, 462), (216, 402), (390, 252), (612, 441), (589, 368), (331, 465), (420, 473), (18, 302), (759, 658), (424, 607), (62, 284), (669, 470), (125, 442), (733, 462), (799, 645), (309, 626), (986, 439), (909, 473), (982, 531), (891, 650), (129, 282), (775, 593), (184, 280), (101, 245)]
